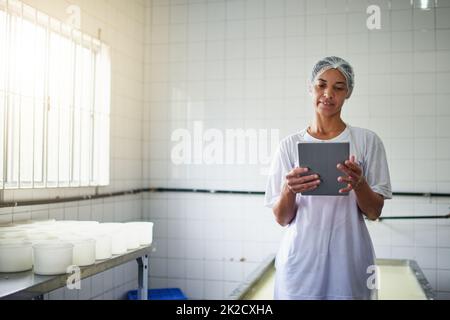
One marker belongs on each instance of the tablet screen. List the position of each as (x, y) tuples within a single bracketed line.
[(322, 158)]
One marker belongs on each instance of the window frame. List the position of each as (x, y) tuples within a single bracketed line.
[(98, 113)]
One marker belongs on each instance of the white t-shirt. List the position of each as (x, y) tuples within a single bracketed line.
[(326, 250)]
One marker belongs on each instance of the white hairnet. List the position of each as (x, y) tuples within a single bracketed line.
[(335, 63)]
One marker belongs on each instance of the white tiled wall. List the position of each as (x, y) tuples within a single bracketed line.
[(243, 64), (122, 25), (207, 244)]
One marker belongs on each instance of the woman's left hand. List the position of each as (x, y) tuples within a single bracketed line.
[(354, 177)]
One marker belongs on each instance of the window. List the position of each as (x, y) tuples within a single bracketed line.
[(54, 102)]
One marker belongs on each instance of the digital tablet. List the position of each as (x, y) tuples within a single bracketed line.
[(322, 158)]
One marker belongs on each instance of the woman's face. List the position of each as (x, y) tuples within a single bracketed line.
[(329, 92)]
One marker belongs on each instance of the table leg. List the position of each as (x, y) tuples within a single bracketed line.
[(143, 277)]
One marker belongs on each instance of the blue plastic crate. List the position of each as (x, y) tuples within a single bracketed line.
[(160, 294)]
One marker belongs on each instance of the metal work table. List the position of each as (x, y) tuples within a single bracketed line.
[(27, 285), (250, 284)]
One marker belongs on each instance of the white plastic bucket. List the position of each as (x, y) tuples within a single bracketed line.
[(145, 230), (102, 241), (102, 246), (118, 234), (83, 250), (52, 257), (15, 255), (132, 236)]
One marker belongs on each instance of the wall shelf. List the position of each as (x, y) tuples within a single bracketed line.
[(27, 285)]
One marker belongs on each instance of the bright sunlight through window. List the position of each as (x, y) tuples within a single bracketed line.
[(54, 102)]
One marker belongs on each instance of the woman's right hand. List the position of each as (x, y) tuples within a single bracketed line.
[(286, 208), (297, 183)]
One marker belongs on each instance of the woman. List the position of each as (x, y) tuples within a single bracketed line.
[(327, 252)]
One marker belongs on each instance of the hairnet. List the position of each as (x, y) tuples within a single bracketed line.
[(335, 63)]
